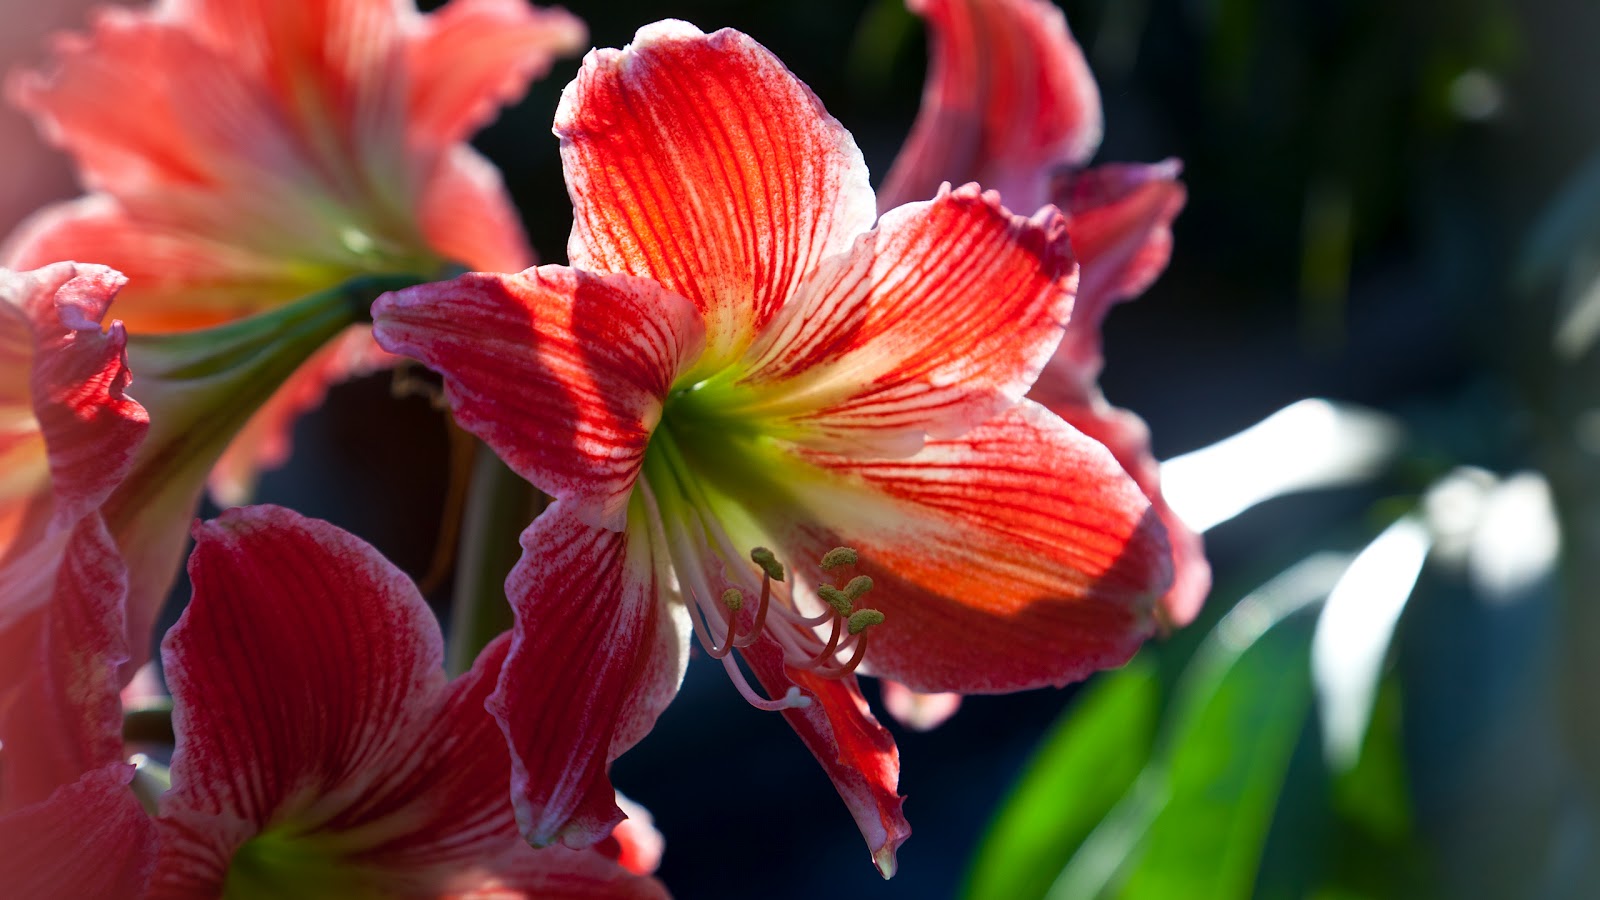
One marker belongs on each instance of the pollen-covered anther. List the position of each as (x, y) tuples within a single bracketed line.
[(733, 599), (862, 619), (768, 563), (840, 556), (839, 600), (858, 586)]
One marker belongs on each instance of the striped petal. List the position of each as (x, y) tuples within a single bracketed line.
[(562, 372), (597, 655), (934, 322), (1009, 98), (700, 162), (88, 840), (1016, 556), (855, 752)]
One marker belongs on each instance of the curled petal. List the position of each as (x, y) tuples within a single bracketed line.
[(1120, 220), (1016, 556), (700, 162), (597, 655), (934, 322), (562, 372), (1009, 98), (857, 753)]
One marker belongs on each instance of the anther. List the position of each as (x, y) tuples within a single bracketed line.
[(733, 599), (858, 585), (839, 600), (862, 619), (839, 556), (769, 564)]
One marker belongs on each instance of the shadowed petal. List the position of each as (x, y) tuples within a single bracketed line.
[(468, 217), (90, 840), (598, 654), (1009, 98), (1016, 556), (702, 163), (562, 372), (934, 322), (857, 754)]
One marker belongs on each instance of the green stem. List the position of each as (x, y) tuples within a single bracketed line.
[(499, 506)]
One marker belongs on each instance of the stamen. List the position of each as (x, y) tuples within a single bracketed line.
[(769, 564), (761, 614), (858, 585), (733, 599), (855, 658), (862, 619), (835, 598), (792, 699), (829, 649), (839, 556)]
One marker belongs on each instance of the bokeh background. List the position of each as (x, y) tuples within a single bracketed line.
[(1392, 204)]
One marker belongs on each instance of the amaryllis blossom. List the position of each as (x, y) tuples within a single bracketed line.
[(1010, 102), (267, 150), (753, 406), (322, 752)]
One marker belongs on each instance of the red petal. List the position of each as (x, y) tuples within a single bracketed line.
[(1126, 436), (1120, 220), (1016, 556), (60, 715), (1009, 97), (702, 163), (563, 373), (474, 56), (933, 323), (597, 656), (855, 751), (468, 217), (90, 839), (77, 382), (303, 671)]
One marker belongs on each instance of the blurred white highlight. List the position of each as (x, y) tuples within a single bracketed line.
[(1354, 631), (1308, 445)]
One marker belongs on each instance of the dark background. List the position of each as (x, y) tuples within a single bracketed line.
[(1362, 178)]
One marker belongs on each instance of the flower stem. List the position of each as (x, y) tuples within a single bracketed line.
[(499, 506)]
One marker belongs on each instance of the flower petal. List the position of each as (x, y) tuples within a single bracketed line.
[(1128, 439), (60, 714), (559, 873), (597, 656), (1120, 220), (934, 322), (473, 56), (302, 673), (90, 426), (855, 751), (90, 839), (918, 711), (1016, 556), (467, 216), (700, 162), (1009, 97), (562, 372)]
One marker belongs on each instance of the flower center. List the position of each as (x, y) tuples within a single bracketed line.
[(273, 864), (737, 597)]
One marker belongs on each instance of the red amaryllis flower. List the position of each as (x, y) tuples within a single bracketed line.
[(762, 367), (1010, 102), (322, 752), (269, 150)]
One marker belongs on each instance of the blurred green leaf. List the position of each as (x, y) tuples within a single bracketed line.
[(1195, 821), (1086, 764), (1235, 730)]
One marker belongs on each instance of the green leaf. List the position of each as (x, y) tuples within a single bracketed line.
[(1085, 765), (1195, 821)]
